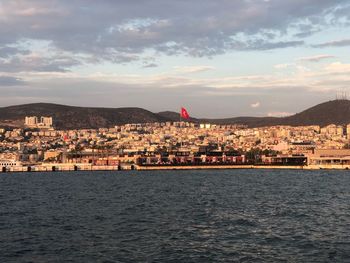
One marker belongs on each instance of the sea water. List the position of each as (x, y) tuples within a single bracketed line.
[(176, 216)]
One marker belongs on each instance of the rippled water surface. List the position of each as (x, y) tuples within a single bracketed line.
[(176, 216)]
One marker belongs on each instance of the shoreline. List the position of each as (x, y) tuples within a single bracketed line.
[(129, 167), (216, 167)]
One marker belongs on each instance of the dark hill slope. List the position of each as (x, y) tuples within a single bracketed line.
[(331, 112), (69, 117), (174, 116), (249, 121)]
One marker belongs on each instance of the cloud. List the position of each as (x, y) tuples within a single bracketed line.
[(338, 67), (279, 114), (123, 31), (37, 61), (335, 43), (267, 45), (284, 66), (316, 58), (7, 52), (193, 69), (150, 65), (11, 81), (255, 105)]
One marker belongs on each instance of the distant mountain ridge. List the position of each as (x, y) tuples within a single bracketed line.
[(72, 117)]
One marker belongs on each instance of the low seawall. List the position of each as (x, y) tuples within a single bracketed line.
[(89, 167), (213, 167), (281, 167), (59, 167)]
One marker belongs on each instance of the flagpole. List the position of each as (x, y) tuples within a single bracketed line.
[(180, 125), (180, 118)]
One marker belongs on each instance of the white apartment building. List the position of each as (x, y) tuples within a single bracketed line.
[(33, 122), (46, 121)]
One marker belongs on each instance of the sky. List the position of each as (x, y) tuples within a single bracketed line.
[(221, 58)]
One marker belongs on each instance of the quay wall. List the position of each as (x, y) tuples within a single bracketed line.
[(213, 167), (58, 167), (55, 167)]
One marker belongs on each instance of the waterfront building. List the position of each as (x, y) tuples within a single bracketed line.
[(284, 159), (9, 163), (329, 157)]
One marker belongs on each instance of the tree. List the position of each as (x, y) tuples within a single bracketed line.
[(346, 146)]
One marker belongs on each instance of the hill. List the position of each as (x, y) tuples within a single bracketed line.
[(331, 112), (70, 117)]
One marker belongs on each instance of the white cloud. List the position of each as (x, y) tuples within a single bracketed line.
[(316, 58), (193, 69), (279, 114), (255, 105), (338, 67), (284, 66)]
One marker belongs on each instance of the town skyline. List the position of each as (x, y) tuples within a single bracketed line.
[(249, 57), (172, 145)]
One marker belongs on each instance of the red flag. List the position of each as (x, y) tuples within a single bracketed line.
[(184, 114)]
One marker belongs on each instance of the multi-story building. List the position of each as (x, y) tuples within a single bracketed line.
[(33, 122), (46, 121)]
